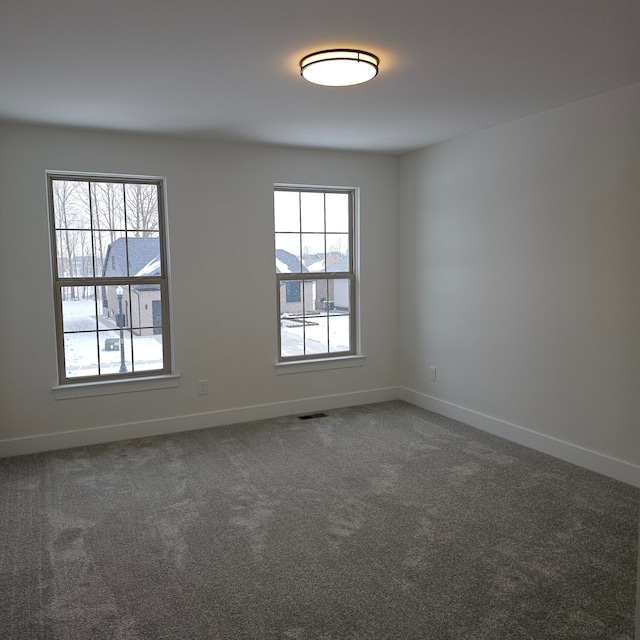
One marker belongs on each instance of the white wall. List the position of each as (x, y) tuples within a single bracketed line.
[(517, 257), (224, 298), (520, 272)]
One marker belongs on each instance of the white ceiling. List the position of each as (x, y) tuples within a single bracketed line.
[(228, 69)]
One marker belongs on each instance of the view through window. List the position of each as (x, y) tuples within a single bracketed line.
[(109, 274), (315, 272)]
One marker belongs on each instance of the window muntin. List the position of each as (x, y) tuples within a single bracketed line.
[(109, 276), (314, 239)]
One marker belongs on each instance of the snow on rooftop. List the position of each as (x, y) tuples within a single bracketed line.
[(317, 266), (152, 268)]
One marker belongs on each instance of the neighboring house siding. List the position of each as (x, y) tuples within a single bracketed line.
[(296, 306), (142, 310), (291, 296), (336, 292)]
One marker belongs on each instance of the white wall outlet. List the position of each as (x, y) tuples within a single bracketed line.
[(203, 387), (432, 373)]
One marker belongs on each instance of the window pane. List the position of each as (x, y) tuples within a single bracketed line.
[(115, 322), (316, 338), (107, 203), (81, 354), (337, 212), (293, 291), (312, 209), (71, 204), (144, 255), (338, 252), (147, 352), (110, 253), (291, 297), (142, 207), (313, 251), (286, 206), (339, 335), (146, 309), (292, 325), (339, 316), (79, 309), (288, 253), (74, 253), (109, 262), (291, 337), (115, 354), (116, 306)]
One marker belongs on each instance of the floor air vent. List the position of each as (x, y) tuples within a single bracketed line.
[(311, 416)]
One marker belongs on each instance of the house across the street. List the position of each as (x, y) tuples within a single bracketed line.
[(141, 304)]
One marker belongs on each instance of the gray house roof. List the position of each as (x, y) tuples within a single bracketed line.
[(153, 268), (342, 264), (334, 262), (288, 263), (142, 251)]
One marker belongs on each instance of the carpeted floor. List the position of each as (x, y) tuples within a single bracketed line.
[(380, 521)]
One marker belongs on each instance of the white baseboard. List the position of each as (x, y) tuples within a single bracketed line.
[(598, 462), (113, 433)]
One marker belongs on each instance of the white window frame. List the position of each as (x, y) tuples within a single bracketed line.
[(331, 359), (107, 383)]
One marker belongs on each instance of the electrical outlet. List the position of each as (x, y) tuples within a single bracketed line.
[(203, 387), (432, 373)]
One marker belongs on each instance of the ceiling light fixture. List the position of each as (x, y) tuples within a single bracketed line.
[(339, 67)]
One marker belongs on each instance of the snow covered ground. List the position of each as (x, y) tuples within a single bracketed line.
[(85, 341), (318, 340)]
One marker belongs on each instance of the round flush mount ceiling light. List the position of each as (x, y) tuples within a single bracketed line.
[(339, 67)]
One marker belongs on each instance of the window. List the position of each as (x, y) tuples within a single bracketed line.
[(293, 291), (110, 281), (315, 276)]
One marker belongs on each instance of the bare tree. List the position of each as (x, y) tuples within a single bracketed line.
[(142, 209), (105, 200), (336, 246), (68, 225), (90, 216)]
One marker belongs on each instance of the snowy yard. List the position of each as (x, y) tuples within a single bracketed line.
[(91, 341), (86, 336), (321, 333)]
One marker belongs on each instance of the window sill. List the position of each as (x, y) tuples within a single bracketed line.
[(109, 387), (302, 366)]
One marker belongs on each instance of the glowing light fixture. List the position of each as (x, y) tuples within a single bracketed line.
[(339, 67)]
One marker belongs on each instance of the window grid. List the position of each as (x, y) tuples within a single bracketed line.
[(338, 321), (109, 329)]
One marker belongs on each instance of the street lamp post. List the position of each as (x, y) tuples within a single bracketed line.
[(120, 323)]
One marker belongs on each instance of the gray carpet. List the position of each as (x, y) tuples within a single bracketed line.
[(380, 521)]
